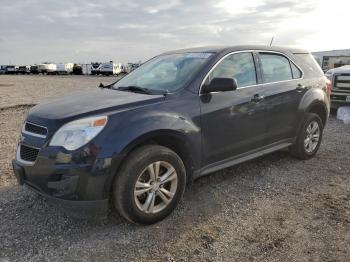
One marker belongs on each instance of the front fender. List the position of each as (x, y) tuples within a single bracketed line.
[(128, 129), (136, 125)]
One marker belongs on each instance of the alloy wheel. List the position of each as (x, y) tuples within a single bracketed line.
[(312, 137), (155, 187)]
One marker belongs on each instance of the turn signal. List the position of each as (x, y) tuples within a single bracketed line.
[(100, 122)]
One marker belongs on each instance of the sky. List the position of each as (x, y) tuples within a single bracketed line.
[(34, 31)]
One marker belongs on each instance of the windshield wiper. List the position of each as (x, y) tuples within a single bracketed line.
[(135, 89)]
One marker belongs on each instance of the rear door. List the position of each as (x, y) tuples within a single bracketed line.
[(284, 88)]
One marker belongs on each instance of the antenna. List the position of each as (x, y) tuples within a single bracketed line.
[(272, 40)]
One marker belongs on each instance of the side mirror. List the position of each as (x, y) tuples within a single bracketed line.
[(220, 84)]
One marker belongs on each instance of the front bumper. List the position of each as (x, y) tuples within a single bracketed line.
[(81, 188), (78, 209), (339, 99)]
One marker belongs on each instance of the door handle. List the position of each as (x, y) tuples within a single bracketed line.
[(257, 98), (300, 87)]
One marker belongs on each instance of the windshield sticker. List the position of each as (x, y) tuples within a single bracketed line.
[(199, 55)]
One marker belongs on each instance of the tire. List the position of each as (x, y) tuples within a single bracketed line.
[(128, 200), (301, 149)]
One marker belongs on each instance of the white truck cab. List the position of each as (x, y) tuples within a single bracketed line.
[(340, 78)]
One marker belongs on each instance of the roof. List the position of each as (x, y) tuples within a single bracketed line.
[(219, 49)]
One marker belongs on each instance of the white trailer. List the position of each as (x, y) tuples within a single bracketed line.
[(47, 68), (111, 68), (11, 69), (64, 68), (95, 68)]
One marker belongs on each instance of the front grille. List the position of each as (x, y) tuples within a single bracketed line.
[(35, 129), (338, 98), (28, 153)]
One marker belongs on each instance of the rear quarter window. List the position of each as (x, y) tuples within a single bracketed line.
[(309, 64), (296, 72)]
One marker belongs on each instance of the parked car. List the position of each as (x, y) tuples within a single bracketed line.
[(24, 69), (132, 145), (47, 68), (340, 79), (111, 68), (64, 68), (95, 68)]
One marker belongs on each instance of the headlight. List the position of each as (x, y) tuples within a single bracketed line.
[(79, 132)]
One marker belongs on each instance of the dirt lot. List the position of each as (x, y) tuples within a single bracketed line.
[(274, 208)]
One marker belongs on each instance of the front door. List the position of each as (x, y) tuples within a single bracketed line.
[(233, 122)]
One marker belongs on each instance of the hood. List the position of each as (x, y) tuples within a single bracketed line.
[(340, 70), (85, 103)]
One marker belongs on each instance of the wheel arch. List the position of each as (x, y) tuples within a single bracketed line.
[(319, 109), (315, 101), (174, 140)]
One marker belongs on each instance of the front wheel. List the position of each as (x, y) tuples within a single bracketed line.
[(149, 185), (309, 137)]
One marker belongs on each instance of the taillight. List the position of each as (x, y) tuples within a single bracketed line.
[(328, 86)]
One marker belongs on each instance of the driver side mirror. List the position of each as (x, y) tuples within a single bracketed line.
[(220, 84)]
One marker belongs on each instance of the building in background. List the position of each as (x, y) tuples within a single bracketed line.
[(332, 59)]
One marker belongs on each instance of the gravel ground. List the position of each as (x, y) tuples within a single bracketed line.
[(274, 208)]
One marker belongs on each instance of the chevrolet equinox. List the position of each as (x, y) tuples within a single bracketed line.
[(131, 146)]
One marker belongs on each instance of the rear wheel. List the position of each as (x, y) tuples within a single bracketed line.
[(149, 185), (309, 138)]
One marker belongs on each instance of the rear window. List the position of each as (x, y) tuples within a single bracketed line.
[(275, 67), (309, 63)]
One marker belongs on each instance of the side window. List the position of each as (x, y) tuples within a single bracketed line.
[(296, 72), (275, 67), (239, 66)]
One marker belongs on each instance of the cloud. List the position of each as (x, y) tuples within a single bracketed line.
[(123, 30)]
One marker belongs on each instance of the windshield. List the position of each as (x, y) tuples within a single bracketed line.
[(165, 73)]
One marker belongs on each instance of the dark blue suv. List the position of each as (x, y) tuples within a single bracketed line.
[(131, 146)]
